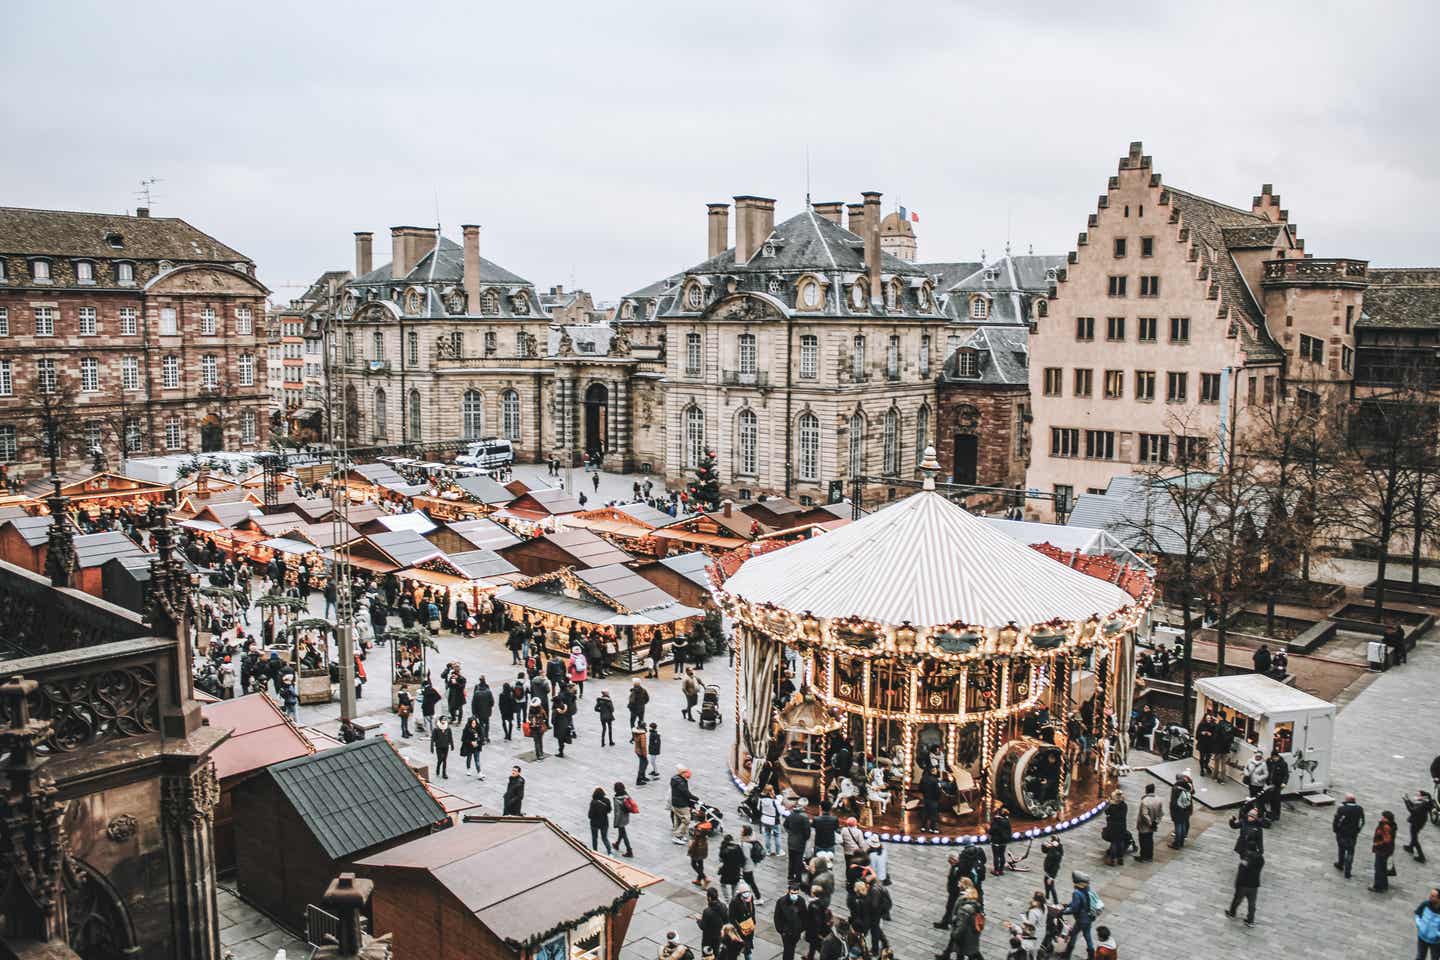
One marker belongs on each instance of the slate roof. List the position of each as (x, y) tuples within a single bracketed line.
[(356, 797), (587, 548), (485, 490), (484, 533), (692, 566), (626, 587), (72, 234), (1002, 356), (1402, 297), (589, 339), (946, 275), (1144, 516), (645, 513), (482, 563), (1012, 283), (93, 549), (405, 547), (449, 268)]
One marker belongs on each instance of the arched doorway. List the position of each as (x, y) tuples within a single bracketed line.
[(597, 399), (965, 467), (212, 437)]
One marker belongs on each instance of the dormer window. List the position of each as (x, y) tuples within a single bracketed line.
[(923, 296), (776, 286), (892, 294), (242, 268), (768, 250), (991, 276), (694, 296), (40, 271), (1052, 275), (627, 310), (166, 266), (84, 272), (520, 304), (115, 240), (858, 295), (1042, 309), (412, 302), (489, 303), (967, 364), (810, 295), (979, 308), (125, 273)]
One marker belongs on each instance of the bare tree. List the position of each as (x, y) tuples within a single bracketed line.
[(51, 423), (1233, 561)]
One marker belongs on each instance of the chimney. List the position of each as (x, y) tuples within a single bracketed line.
[(725, 507), (142, 212), (346, 898), (856, 223), (872, 243), (364, 259), (754, 220), (472, 268), (717, 220), (830, 211), (400, 262)]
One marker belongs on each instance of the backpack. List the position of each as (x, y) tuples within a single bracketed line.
[(1182, 800), (630, 805), (979, 922), (757, 852), (1097, 906)]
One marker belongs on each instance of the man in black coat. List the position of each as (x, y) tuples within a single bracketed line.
[(930, 801), (710, 921), (442, 741), (1279, 776), (456, 689), (514, 794), (1247, 884), (952, 891), (482, 704), (1261, 659), (797, 834), (507, 709), (639, 697), (790, 919), (1348, 821)]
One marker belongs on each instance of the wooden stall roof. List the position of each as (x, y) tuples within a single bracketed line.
[(276, 524), (260, 734), (692, 566), (584, 548), (603, 596), (89, 485), (93, 549), (313, 508), (404, 547), (228, 515), (483, 564), (484, 534), (415, 520), (541, 503), (35, 531), (485, 490), (521, 877), (626, 587)]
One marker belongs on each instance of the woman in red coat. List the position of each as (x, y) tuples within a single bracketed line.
[(1383, 847)]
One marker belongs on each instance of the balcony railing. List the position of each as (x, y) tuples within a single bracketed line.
[(1329, 271), (746, 378)]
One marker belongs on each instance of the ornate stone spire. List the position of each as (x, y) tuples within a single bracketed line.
[(32, 838), (60, 548), (929, 467)]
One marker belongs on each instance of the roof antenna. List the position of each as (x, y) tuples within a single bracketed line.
[(144, 194), (1007, 229), (807, 176), (437, 213)]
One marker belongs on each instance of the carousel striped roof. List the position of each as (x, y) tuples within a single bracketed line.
[(926, 561)]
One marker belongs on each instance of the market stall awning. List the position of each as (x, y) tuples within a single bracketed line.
[(205, 526), (712, 540), (582, 610), (284, 545)]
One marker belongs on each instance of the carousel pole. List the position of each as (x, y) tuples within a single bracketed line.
[(868, 719), (737, 641)]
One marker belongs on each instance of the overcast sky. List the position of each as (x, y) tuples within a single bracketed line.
[(586, 138)]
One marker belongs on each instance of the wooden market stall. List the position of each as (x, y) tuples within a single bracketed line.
[(685, 576), (715, 532), (24, 541), (298, 555), (623, 610), (627, 525), (949, 651), (461, 535), (100, 491), (541, 504), (91, 552), (564, 548)]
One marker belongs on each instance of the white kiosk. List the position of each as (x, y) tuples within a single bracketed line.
[(1271, 715)]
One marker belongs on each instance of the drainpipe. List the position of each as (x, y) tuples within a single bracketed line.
[(789, 426)]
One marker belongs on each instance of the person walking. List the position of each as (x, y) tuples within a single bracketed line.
[(824, 829), (470, 745), (455, 694), (711, 921), (964, 942), (636, 702), (770, 816), (1427, 927), (790, 920), (698, 851), (564, 725), (1054, 853), (1080, 907), (818, 923), (1147, 821), (514, 798), (652, 745), (638, 737), (429, 698), (482, 705), (690, 687), (1278, 776), (1347, 823), (1000, 835), (1247, 885), (605, 709), (577, 670), (404, 706), (442, 741), (797, 835), (537, 724), (625, 805), (1117, 829), (1256, 776), (599, 814), (507, 704), (877, 907), (754, 856), (681, 800), (655, 654), (1417, 814), (1182, 802), (732, 864), (1383, 846)]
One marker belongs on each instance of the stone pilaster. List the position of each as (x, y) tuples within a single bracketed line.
[(187, 811), (621, 413)]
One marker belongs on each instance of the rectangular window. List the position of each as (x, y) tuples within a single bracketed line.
[(1250, 389), (1154, 448), (207, 322), (1119, 247), (88, 327), (1144, 384), (1209, 388), (1149, 286), (1084, 382), (412, 348), (132, 436), (925, 355), (44, 321), (1114, 328), (1114, 384), (1312, 349), (8, 450), (244, 321), (4, 321), (967, 364), (124, 273), (209, 371), (1099, 444), (857, 359), (1064, 442), (129, 373), (1347, 359), (1179, 329), (128, 325), (174, 438), (1084, 328), (247, 426), (1269, 390), (1054, 381), (1191, 451), (246, 364), (45, 377), (1117, 286), (40, 271), (892, 358), (1349, 318), (84, 272), (170, 372), (169, 324), (1175, 384), (1147, 246), (377, 345), (1148, 329), (89, 375), (349, 347), (1064, 498), (809, 356), (1307, 400), (7, 380), (692, 354), (746, 348)]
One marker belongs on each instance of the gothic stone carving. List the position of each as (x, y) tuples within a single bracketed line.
[(745, 310), (190, 799), (90, 708), (122, 828)]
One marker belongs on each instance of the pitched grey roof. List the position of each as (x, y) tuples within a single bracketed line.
[(1408, 297), (93, 549), (1012, 283), (33, 530), (484, 490), (1003, 356), (484, 533), (450, 268), (355, 797), (483, 563), (71, 234), (406, 546), (626, 587), (948, 274), (692, 566), (1146, 516), (645, 513)]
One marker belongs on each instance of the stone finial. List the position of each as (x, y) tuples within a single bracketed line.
[(929, 467), (60, 546)]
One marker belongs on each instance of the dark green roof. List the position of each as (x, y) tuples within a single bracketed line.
[(356, 797)]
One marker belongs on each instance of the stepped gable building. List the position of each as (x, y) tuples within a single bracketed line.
[(156, 327), (1174, 316), (803, 354)]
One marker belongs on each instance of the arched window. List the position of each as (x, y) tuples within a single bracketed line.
[(510, 415), (472, 409), (892, 294), (413, 410), (979, 309), (489, 303), (694, 436), (809, 447), (922, 432), (377, 422), (857, 445), (352, 412), (377, 345), (746, 426), (892, 442)]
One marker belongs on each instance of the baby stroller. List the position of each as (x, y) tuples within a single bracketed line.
[(710, 707), (704, 813)]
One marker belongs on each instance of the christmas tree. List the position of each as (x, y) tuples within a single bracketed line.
[(704, 490)]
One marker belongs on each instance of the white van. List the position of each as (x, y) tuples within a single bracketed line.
[(489, 454)]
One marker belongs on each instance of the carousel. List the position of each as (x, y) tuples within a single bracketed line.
[(919, 644)]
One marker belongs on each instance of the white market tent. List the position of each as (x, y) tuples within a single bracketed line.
[(1268, 714), (927, 561), (1090, 541)]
